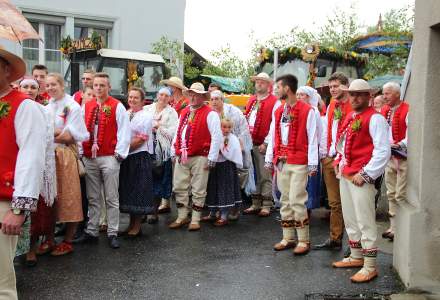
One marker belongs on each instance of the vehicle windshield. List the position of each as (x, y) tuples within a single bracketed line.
[(118, 79), (91, 63), (152, 76)]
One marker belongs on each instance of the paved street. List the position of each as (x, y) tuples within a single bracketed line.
[(235, 262)]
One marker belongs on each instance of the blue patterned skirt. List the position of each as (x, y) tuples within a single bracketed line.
[(223, 186), (136, 185), (163, 184)]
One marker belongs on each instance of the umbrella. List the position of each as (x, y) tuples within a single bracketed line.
[(13, 25)]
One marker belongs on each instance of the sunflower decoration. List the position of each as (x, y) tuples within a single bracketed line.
[(133, 78)]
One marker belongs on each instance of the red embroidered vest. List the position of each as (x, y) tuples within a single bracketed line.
[(8, 145), (359, 146), (298, 145), (78, 97), (180, 105), (345, 110), (43, 98), (199, 140), (263, 119), (398, 122), (107, 126)]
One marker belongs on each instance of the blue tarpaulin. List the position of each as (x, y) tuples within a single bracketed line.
[(233, 85), (379, 81)]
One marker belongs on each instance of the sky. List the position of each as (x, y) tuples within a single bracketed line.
[(212, 24)]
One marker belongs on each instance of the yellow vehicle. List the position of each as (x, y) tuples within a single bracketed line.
[(238, 100)]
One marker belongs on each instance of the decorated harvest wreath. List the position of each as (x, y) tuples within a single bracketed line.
[(349, 57)]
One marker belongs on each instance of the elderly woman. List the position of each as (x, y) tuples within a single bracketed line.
[(69, 130), (241, 130), (165, 120), (135, 177), (311, 96)]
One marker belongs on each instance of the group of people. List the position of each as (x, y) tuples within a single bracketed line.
[(74, 159)]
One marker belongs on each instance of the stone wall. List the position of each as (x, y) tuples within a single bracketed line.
[(417, 242)]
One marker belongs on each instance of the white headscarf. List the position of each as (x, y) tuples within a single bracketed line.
[(218, 94), (312, 93)]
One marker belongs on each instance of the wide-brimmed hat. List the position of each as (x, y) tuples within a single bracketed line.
[(262, 76), (360, 86), (197, 88), (174, 81), (16, 64)]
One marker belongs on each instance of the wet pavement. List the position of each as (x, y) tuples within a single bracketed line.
[(234, 262)]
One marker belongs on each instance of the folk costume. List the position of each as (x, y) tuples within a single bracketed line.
[(136, 175), (241, 131), (259, 113), (183, 102), (294, 152), (67, 116), (167, 121), (363, 148), (196, 146), (22, 148), (337, 112), (109, 128), (43, 98), (314, 182), (397, 168), (223, 183)]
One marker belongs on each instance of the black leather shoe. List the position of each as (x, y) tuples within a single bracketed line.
[(113, 242), (85, 238), (329, 245)]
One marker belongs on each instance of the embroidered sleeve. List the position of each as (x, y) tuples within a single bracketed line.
[(312, 168), (24, 203), (366, 177)]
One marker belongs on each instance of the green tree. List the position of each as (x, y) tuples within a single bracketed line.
[(177, 61), (228, 64)]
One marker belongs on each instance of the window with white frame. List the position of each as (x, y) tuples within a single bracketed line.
[(46, 52)]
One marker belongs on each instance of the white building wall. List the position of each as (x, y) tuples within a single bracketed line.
[(135, 23)]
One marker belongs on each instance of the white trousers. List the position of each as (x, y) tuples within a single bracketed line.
[(359, 214), (8, 245)]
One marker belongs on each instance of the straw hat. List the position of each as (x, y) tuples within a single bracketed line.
[(175, 82), (360, 86), (16, 64), (262, 76), (197, 88)]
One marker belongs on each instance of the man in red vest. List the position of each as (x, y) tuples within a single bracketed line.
[(86, 81), (259, 112), (39, 72), (22, 149), (337, 111), (179, 101), (363, 152), (293, 151), (396, 114), (110, 136), (195, 147)]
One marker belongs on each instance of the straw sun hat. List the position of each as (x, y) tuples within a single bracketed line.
[(175, 82), (16, 65)]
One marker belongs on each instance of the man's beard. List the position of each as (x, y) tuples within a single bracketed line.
[(283, 97)]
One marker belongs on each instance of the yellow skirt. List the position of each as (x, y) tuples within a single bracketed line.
[(68, 204)]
